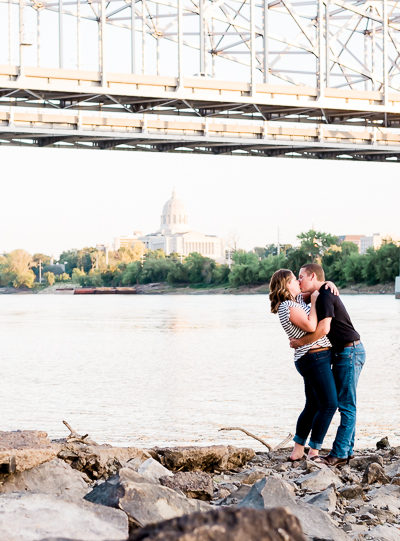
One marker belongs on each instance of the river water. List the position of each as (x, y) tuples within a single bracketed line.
[(172, 370)]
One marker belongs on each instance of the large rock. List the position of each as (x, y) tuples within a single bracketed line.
[(144, 502), (54, 477), (361, 462), (351, 492), (251, 476), (319, 480), (34, 517), (387, 496), (194, 484), (226, 524), (100, 461), (393, 469), (325, 500), (272, 492), (152, 470), (24, 449), (209, 459), (384, 533), (374, 473)]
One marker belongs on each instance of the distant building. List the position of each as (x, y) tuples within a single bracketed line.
[(373, 241), (174, 234), (364, 242), (356, 239), (127, 241)]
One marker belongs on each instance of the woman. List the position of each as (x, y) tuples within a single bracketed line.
[(312, 361)]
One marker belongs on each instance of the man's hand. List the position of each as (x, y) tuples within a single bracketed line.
[(294, 343)]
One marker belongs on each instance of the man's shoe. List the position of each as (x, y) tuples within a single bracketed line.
[(331, 460)]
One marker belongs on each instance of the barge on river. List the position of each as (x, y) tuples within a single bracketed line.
[(99, 290)]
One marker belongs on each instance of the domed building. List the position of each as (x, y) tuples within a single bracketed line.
[(174, 235)]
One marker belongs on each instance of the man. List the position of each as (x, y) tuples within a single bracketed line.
[(347, 360)]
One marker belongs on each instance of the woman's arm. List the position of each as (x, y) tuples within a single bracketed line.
[(299, 317)]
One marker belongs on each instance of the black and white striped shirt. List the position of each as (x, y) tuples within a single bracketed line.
[(295, 332)]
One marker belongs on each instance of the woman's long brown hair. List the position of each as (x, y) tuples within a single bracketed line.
[(278, 291)]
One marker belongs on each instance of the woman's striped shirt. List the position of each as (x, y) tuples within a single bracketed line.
[(295, 332)]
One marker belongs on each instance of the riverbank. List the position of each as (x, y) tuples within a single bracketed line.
[(77, 489), (167, 289)]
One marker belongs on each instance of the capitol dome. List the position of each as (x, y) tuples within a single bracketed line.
[(174, 218)]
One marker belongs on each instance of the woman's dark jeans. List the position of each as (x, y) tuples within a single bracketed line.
[(321, 398)]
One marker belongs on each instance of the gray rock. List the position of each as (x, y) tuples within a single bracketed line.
[(236, 495), (384, 533), (54, 477), (22, 450), (153, 470), (226, 524), (36, 517), (351, 492), (209, 459), (272, 492), (194, 484), (325, 500), (361, 462), (396, 480), (374, 473), (319, 480), (393, 469), (100, 461), (251, 476), (144, 502), (387, 496)]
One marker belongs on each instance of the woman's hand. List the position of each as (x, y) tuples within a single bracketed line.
[(314, 295), (332, 287)]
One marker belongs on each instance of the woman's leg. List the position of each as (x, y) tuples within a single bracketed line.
[(306, 418), (322, 381)]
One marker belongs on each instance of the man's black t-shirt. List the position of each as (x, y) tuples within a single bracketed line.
[(342, 330)]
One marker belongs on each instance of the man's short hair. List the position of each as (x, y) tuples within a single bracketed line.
[(316, 269)]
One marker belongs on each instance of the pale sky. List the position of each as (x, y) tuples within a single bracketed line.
[(58, 199)]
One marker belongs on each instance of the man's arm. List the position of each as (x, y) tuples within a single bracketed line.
[(323, 327)]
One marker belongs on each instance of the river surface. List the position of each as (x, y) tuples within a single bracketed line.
[(172, 370)]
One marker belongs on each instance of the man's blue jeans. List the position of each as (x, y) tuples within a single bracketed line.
[(321, 399), (346, 368)]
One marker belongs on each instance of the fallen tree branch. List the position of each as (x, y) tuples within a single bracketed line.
[(283, 442), (75, 437), (248, 434)]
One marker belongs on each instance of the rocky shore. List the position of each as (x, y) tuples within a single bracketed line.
[(76, 490)]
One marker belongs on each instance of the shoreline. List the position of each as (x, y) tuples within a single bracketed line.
[(167, 289), (167, 492)]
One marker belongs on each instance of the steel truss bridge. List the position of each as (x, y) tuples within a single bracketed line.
[(307, 78)]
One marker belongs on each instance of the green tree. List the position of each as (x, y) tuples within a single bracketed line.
[(131, 274), (315, 243), (387, 262), (79, 276), (17, 269), (199, 268), (269, 265), (241, 257), (49, 278)]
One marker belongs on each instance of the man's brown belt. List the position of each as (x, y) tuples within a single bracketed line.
[(351, 344)]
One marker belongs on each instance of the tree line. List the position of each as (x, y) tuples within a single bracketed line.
[(130, 266)]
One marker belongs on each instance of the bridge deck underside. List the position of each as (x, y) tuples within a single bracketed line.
[(63, 108)]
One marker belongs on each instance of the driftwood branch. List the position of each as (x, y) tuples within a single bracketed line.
[(75, 437), (248, 434), (283, 442)]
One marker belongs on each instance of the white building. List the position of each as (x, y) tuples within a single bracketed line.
[(174, 234)]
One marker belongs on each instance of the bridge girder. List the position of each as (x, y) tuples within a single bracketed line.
[(320, 73)]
